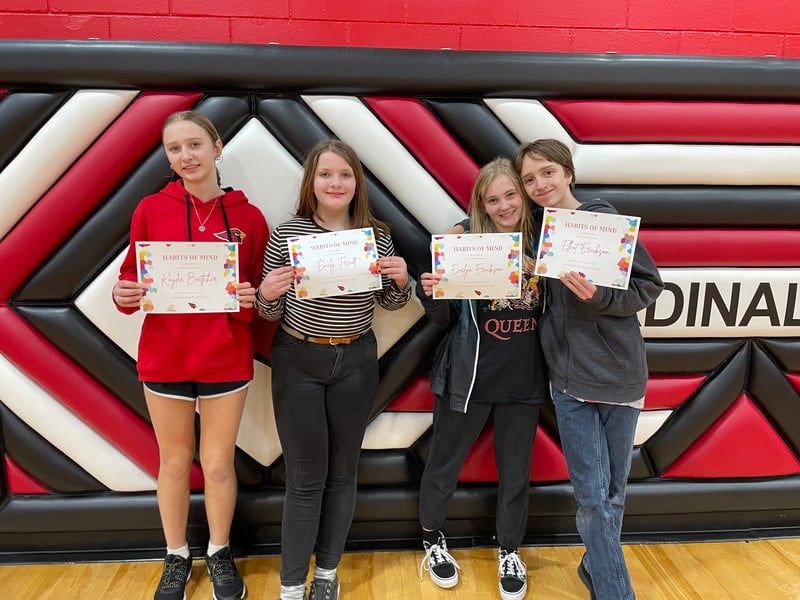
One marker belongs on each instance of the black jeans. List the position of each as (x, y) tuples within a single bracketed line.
[(454, 433), (322, 396)]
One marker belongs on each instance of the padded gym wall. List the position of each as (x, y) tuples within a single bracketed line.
[(703, 149)]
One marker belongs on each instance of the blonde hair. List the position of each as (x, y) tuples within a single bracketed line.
[(479, 219), (360, 213)]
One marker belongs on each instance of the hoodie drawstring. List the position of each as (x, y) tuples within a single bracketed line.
[(188, 198), (188, 216), (225, 218)]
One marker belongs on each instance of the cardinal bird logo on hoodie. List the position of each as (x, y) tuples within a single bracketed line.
[(237, 235)]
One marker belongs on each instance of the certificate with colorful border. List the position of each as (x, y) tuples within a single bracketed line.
[(477, 265), (598, 245), (188, 277), (335, 263)]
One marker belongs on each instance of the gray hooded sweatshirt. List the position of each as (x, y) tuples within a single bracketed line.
[(594, 348)]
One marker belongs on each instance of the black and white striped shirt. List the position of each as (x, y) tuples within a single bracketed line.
[(334, 316)]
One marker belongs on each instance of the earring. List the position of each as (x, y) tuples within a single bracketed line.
[(218, 159)]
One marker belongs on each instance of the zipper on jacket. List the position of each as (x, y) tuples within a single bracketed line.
[(477, 353)]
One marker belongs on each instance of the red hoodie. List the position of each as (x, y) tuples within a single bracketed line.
[(207, 347)]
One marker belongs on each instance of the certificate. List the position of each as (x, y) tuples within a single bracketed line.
[(335, 263), (477, 265), (598, 245), (188, 277)]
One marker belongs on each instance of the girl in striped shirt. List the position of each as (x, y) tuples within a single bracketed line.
[(324, 369)]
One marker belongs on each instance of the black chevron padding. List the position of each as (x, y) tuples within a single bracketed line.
[(21, 115), (43, 461), (474, 126)]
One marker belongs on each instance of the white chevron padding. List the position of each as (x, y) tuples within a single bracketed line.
[(53, 149)]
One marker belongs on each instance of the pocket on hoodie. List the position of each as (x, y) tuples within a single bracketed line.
[(591, 356)]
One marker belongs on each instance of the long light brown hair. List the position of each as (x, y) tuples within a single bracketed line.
[(360, 213), (198, 119), (479, 219)]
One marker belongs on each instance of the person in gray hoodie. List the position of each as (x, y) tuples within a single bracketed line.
[(598, 373)]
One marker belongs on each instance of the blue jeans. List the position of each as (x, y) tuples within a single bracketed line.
[(322, 396), (597, 440)]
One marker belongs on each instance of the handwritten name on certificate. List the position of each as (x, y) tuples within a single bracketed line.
[(335, 263), (598, 245), (188, 277), (477, 265)]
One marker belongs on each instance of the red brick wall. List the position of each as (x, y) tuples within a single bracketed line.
[(713, 27)]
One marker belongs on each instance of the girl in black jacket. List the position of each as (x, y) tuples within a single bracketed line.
[(475, 376)]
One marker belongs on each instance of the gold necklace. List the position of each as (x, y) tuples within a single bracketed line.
[(202, 226)]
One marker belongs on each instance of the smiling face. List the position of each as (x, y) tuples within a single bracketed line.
[(334, 185), (547, 183), (191, 152), (503, 203)]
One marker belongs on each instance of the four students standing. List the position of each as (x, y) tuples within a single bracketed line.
[(325, 370)]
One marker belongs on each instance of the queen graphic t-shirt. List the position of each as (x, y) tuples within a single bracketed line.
[(512, 368)]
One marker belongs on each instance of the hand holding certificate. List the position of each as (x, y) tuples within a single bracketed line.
[(599, 246), (188, 277), (477, 265), (335, 263)]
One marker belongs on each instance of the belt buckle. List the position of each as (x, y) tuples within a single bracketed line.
[(331, 342)]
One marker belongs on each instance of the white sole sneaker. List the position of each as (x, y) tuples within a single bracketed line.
[(515, 596), (445, 583)]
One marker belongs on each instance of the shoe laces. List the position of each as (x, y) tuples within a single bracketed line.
[(221, 567), (511, 565), (328, 587), (174, 575), (436, 554)]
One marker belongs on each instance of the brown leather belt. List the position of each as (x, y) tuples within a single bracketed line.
[(333, 341)]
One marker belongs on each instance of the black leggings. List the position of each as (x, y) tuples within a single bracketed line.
[(454, 433), (322, 396)]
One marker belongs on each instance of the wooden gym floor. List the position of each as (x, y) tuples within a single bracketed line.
[(754, 570)]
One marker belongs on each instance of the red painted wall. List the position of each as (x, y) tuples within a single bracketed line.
[(712, 27)]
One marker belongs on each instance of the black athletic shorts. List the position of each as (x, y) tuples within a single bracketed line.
[(192, 390)]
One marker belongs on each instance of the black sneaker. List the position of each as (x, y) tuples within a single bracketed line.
[(324, 589), (228, 584), (442, 567), (583, 573), (513, 575), (177, 571)]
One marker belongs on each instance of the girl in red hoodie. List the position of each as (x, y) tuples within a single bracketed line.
[(198, 358)]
